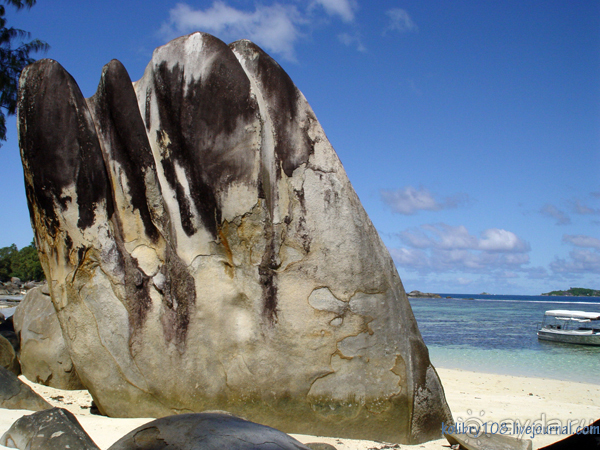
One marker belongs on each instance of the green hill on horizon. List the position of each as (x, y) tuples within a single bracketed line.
[(576, 292)]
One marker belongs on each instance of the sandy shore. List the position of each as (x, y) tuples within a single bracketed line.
[(476, 398)]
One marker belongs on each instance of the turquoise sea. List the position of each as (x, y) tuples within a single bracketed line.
[(497, 334)]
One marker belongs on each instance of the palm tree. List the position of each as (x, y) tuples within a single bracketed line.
[(13, 59)]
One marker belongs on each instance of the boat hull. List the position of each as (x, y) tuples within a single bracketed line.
[(569, 338)]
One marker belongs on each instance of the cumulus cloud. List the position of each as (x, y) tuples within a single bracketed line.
[(276, 27), (343, 8), (581, 262), (446, 237), (399, 20), (273, 27), (446, 248), (553, 212), (498, 240), (580, 240), (409, 200)]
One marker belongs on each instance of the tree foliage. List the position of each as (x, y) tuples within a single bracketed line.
[(23, 264), (14, 56)]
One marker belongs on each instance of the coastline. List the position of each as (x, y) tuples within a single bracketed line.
[(474, 397)]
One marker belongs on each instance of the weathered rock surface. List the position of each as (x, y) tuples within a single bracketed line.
[(206, 431), (14, 394), (44, 356), (8, 356), (207, 251), (54, 429)]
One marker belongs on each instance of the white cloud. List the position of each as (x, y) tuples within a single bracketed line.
[(446, 237), (409, 257), (497, 240), (274, 27), (351, 40), (580, 240), (343, 8), (580, 208), (400, 21), (580, 262), (410, 200), (444, 248), (553, 212)]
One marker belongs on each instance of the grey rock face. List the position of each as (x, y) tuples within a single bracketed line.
[(54, 429), (14, 394), (206, 431), (8, 357), (207, 250), (44, 356)]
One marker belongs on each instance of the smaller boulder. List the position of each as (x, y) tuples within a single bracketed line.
[(206, 431), (54, 428), (7, 330), (8, 357), (44, 356), (14, 394)]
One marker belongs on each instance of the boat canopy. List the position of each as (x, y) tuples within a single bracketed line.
[(573, 315)]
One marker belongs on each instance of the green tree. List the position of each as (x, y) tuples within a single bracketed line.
[(24, 264), (6, 256), (14, 56)]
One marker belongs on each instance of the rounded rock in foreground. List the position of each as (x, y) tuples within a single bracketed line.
[(54, 429), (206, 431), (14, 394)]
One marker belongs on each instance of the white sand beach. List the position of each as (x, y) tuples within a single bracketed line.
[(487, 399)]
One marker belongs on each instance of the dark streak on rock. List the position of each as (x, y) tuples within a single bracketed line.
[(268, 276), (179, 297), (147, 114), (185, 211), (301, 229), (202, 130), (59, 145), (282, 96), (121, 130)]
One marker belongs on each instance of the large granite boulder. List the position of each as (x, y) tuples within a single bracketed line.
[(14, 394), (44, 355), (207, 251), (206, 431), (54, 429)]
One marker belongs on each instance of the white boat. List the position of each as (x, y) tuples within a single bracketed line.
[(572, 327)]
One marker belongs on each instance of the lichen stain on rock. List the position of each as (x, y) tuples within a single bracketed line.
[(268, 275), (205, 120), (223, 240), (293, 146), (117, 117), (59, 145), (179, 299)]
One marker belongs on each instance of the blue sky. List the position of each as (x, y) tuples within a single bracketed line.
[(470, 129)]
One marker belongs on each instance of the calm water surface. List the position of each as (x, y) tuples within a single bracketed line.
[(497, 334)]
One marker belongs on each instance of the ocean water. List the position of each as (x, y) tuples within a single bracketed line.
[(497, 334)]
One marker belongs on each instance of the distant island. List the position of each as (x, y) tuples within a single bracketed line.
[(419, 294), (576, 292)]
